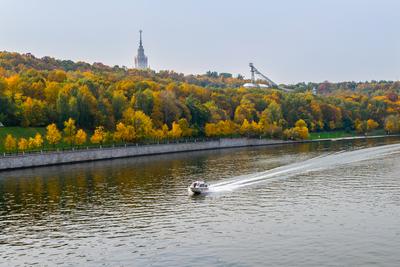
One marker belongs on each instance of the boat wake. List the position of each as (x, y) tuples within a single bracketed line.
[(323, 162)]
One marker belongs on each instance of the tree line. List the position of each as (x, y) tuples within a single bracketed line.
[(136, 105)]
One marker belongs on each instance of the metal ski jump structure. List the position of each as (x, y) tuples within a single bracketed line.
[(269, 82)]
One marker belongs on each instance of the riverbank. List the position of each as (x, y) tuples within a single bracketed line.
[(93, 154), (75, 156)]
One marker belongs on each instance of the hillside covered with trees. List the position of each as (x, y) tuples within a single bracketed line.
[(132, 105)]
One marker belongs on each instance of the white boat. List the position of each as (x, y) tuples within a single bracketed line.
[(198, 187)]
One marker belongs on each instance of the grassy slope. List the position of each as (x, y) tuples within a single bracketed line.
[(18, 132), (339, 134), (30, 132), (335, 134)]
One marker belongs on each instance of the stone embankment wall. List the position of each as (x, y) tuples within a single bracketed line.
[(63, 157)]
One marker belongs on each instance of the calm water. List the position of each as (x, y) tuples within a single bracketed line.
[(331, 204)]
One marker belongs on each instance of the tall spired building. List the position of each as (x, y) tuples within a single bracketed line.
[(141, 59)]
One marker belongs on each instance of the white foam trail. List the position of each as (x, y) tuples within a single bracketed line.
[(323, 162)]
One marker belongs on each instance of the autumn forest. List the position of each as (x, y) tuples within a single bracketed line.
[(79, 102)]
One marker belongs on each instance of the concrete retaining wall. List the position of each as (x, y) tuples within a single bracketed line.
[(54, 158)]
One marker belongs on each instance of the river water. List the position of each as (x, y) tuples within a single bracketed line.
[(320, 204)]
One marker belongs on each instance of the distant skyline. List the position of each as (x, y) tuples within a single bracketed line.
[(290, 41)]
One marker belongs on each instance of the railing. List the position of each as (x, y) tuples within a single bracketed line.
[(68, 148)]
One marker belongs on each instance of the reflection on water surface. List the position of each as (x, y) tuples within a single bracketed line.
[(137, 212)]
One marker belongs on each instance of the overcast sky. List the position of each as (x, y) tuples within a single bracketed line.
[(288, 40)]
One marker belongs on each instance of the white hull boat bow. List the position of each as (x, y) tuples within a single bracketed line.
[(198, 187)]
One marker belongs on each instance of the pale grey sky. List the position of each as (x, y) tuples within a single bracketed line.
[(288, 40)]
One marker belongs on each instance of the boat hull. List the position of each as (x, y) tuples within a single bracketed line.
[(197, 191)]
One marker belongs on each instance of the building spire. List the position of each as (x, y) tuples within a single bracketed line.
[(141, 59)]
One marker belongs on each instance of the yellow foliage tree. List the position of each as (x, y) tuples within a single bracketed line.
[(99, 135), (130, 134), (289, 134), (302, 132), (35, 142), (33, 112), (57, 76), (211, 129), (80, 137), (222, 128), (165, 130), (227, 128), (128, 115), (69, 131), (255, 128), (271, 129), (301, 129), (158, 134), (372, 125), (23, 144), (246, 110), (361, 126), (141, 124), (31, 143), (119, 132), (124, 133), (38, 140), (245, 129), (272, 114), (10, 143), (176, 131), (392, 124), (301, 123), (186, 131), (53, 135), (157, 114)]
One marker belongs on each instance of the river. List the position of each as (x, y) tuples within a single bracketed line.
[(316, 204)]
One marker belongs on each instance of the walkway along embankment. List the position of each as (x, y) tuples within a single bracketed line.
[(76, 156)]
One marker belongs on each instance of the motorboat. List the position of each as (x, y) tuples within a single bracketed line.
[(198, 187)]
